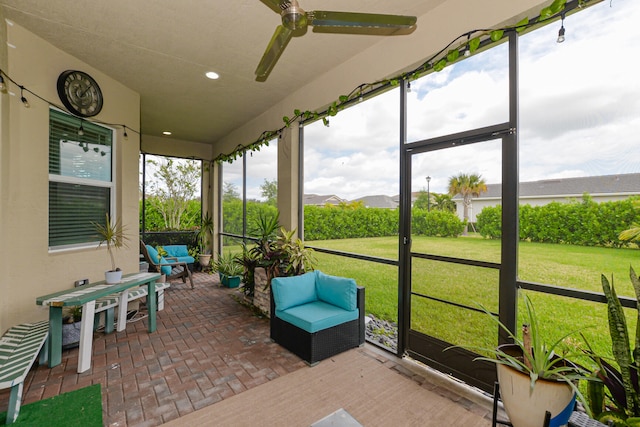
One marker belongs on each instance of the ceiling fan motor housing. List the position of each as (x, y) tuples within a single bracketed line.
[(293, 17)]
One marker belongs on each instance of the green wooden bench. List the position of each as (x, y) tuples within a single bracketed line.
[(19, 347)]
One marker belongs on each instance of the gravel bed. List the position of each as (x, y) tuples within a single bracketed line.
[(381, 332)]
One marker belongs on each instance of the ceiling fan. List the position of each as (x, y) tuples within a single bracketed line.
[(295, 22)]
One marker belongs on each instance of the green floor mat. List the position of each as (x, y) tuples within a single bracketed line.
[(81, 408)]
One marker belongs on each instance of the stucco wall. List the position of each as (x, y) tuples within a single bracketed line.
[(28, 268)]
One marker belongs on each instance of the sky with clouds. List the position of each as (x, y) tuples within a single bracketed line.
[(579, 115)]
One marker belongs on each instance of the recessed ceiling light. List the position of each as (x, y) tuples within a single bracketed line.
[(166, 132), (212, 75)]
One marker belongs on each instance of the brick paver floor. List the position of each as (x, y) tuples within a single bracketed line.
[(207, 347)]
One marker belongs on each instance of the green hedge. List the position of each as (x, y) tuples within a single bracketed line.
[(436, 223), (345, 222), (232, 214), (584, 222), (326, 223)]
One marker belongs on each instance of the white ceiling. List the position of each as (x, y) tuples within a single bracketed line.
[(162, 49)]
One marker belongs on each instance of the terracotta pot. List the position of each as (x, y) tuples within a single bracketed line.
[(526, 407)]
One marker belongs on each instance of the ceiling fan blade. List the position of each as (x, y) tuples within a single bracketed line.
[(271, 55), (276, 5), (367, 31), (320, 18)]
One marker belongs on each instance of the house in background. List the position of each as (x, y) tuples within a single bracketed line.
[(603, 188), (378, 201), (318, 200)]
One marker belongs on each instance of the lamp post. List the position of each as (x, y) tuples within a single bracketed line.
[(428, 195)]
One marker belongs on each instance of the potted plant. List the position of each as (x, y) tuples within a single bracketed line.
[(113, 235), (249, 261), (229, 270), (294, 258), (259, 259), (276, 253), (203, 237), (535, 376), (621, 404), (71, 326)]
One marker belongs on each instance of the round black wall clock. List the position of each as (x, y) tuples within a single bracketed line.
[(79, 93)]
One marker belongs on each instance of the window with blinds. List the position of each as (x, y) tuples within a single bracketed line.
[(81, 181)]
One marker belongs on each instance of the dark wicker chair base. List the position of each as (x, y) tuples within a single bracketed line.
[(314, 347)]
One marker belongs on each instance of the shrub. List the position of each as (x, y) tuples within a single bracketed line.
[(436, 223), (584, 222)]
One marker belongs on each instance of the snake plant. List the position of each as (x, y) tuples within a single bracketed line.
[(621, 382)]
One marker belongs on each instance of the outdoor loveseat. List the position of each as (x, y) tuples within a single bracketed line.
[(317, 316), (179, 253), (169, 266)]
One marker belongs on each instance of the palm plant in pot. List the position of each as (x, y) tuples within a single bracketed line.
[(229, 269), (113, 235), (535, 376), (203, 237)]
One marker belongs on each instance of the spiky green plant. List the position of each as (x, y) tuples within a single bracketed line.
[(539, 360), (621, 382), (112, 234)]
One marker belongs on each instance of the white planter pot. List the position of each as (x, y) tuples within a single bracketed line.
[(113, 276), (204, 260), (527, 409)]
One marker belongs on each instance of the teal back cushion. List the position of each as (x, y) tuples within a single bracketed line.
[(292, 291), (339, 291), (177, 250), (153, 254)]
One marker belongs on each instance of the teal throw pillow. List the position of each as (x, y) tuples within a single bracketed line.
[(339, 291)]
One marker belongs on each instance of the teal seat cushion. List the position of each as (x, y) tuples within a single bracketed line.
[(292, 291), (339, 291), (165, 269), (316, 316)]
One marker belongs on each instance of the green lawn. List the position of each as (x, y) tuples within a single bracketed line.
[(559, 265)]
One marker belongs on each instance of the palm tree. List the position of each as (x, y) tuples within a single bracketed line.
[(443, 202), (467, 186)]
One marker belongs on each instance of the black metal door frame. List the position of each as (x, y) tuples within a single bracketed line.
[(425, 348)]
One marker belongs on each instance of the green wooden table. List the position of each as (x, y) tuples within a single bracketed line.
[(86, 297)]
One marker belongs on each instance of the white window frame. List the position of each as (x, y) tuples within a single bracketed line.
[(112, 185)]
